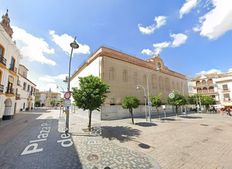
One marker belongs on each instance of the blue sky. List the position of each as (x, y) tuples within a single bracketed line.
[(192, 36)]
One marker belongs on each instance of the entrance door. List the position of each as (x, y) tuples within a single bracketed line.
[(7, 112)]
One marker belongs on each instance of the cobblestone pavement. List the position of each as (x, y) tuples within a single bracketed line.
[(198, 141), (97, 152)]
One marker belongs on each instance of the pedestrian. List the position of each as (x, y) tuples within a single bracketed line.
[(228, 112)]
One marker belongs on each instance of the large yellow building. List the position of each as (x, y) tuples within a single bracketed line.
[(123, 73)]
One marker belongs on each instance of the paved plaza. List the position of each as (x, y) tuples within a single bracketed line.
[(196, 141)]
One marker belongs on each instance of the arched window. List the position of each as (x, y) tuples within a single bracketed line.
[(111, 73), (2, 59), (154, 81), (167, 84), (144, 79), (135, 77), (125, 75)]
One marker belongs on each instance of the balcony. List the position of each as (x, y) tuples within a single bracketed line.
[(9, 91), (14, 69), (1, 88), (2, 60), (17, 97)]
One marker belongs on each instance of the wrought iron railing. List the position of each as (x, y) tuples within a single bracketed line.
[(2, 60), (1, 88)]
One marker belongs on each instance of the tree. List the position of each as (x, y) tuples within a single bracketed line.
[(177, 101), (53, 103), (37, 103), (130, 102), (207, 101), (91, 94), (156, 102)]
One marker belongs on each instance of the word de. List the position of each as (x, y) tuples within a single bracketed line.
[(65, 140)]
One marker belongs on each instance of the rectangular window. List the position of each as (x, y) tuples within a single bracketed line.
[(12, 64), (24, 86), (225, 87), (227, 97)]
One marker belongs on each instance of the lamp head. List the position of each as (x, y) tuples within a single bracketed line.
[(74, 45)]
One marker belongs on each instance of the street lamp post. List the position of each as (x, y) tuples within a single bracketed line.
[(73, 45), (145, 99), (148, 101)]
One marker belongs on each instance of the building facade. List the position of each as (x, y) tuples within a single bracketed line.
[(25, 92), (123, 73), (216, 85), (9, 63), (47, 98)]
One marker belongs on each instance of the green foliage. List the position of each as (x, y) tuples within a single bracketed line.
[(92, 93), (156, 101), (207, 101), (130, 102), (53, 103), (194, 99), (37, 103), (178, 100)]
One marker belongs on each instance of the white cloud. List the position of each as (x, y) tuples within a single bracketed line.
[(204, 72), (218, 20), (146, 30), (178, 39), (160, 46), (53, 79), (32, 47), (159, 22), (48, 86), (64, 40), (187, 7), (147, 52), (230, 70)]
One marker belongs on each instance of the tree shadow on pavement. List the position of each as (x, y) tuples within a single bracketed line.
[(169, 119), (121, 133), (191, 117), (146, 124)]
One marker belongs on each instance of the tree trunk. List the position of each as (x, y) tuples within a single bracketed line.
[(176, 110), (132, 117), (90, 116)]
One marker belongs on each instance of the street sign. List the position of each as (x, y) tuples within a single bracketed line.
[(171, 95), (67, 103), (67, 95)]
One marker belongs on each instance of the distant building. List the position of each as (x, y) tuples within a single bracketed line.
[(9, 64), (217, 85), (25, 90), (123, 72), (46, 97)]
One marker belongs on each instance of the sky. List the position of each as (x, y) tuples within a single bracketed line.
[(191, 36)]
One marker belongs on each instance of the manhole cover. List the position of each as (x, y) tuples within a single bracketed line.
[(92, 157)]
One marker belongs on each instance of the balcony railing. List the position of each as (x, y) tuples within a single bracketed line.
[(14, 69), (2, 60), (17, 96), (10, 91), (1, 88)]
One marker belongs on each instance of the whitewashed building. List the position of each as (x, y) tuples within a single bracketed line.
[(9, 63), (216, 85), (25, 92)]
